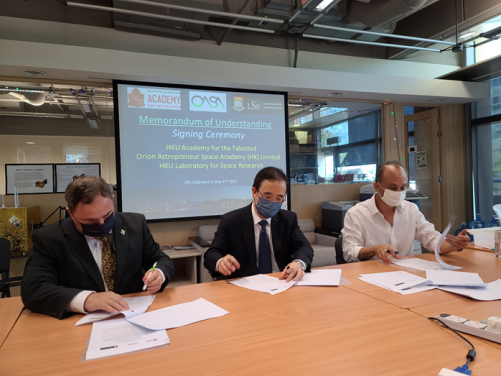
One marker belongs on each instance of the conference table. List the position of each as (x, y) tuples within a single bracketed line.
[(353, 329), (10, 309)]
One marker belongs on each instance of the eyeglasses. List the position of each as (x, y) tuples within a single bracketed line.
[(270, 197)]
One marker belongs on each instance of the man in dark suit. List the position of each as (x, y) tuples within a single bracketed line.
[(83, 263), (242, 246)]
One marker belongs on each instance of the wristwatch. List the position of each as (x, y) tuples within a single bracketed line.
[(301, 263)]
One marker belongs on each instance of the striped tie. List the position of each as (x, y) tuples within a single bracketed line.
[(109, 261)]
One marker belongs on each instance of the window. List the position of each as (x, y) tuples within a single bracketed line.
[(490, 106), (484, 51), (486, 168), (352, 149)]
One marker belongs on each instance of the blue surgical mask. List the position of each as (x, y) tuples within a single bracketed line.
[(99, 231), (268, 208)]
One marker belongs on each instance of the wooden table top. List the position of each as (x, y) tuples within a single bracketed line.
[(304, 330), (10, 309)]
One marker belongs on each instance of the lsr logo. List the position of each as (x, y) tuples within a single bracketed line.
[(250, 105), (207, 101)]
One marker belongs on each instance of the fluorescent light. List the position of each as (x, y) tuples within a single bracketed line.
[(30, 142), (324, 4), (467, 35), (93, 123)]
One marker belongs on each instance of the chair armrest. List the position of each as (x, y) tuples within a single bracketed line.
[(325, 240)]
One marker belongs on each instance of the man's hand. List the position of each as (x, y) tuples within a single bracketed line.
[(380, 251), (227, 265), (292, 271), (107, 301), (458, 242), (154, 281)]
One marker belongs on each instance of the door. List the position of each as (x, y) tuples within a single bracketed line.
[(424, 164)]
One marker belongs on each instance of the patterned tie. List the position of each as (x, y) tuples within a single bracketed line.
[(264, 264), (109, 260)]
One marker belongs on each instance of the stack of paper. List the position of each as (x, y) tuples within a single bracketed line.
[(450, 278), (146, 330), (401, 282), (324, 277), (417, 264), (264, 283)]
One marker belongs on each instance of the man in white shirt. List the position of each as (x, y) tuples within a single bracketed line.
[(386, 224), (84, 263)]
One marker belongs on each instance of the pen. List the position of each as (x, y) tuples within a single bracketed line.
[(151, 272), (388, 251)]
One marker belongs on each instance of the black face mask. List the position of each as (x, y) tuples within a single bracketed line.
[(98, 231)]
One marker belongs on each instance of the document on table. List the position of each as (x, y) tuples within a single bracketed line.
[(417, 264), (264, 283), (401, 282), (119, 336), (490, 292), (451, 278), (324, 277), (178, 315), (137, 305), (437, 250)]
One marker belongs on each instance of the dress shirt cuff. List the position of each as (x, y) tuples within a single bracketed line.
[(77, 303), (163, 275), (217, 264), (353, 254)]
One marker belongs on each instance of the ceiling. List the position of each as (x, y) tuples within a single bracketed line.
[(287, 24)]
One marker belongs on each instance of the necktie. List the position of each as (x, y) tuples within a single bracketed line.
[(109, 261), (264, 263)]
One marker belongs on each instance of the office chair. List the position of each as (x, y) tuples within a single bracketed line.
[(338, 245), (16, 281), (5, 267)]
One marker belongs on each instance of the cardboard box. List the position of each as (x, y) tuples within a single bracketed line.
[(293, 148)]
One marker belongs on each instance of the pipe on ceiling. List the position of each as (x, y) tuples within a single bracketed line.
[(369, 43), (206, 11), (35, 99)]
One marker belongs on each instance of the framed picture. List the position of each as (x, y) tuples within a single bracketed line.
[(421, 159), (29, 178), (67, 172)]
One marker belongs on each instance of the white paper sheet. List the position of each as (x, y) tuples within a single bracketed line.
[(328, 277), (491, 292), (178, 315), (411, 290), (397, 281), (417, 264), (451, 278), (264, 283), (137, 305), (437, 250), (119, 336)]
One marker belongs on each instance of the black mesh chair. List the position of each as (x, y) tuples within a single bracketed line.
[(338, 245), (5, 267)]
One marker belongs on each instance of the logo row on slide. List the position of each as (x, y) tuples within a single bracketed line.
[(204, 101)]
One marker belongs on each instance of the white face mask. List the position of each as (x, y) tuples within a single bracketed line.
[(392, 198)]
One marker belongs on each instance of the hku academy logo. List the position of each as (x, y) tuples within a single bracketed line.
[(238, 103), (154, 98), (207, 101)]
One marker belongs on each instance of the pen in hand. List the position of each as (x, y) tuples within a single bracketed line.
[(388, 251), (149, 275)]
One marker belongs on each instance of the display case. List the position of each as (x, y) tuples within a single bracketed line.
[(303, 157)]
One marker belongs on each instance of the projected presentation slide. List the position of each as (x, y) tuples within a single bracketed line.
[(194, 152)]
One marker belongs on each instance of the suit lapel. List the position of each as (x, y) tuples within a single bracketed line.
[(121, 237), (249, 236), (276, 235), (77, 244)]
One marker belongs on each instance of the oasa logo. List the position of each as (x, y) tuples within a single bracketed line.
[(207, 101)]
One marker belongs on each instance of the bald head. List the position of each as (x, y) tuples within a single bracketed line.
[(392, 175)]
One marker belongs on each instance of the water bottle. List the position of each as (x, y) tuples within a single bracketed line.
[(494, 222), (477, 223), (463, 226)]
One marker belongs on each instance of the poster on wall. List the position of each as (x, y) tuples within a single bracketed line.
[(29, 178), (421, 159), (67, 172)]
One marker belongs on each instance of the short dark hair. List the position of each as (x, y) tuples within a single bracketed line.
[(85, 190), (382, 167), (269, 173)]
